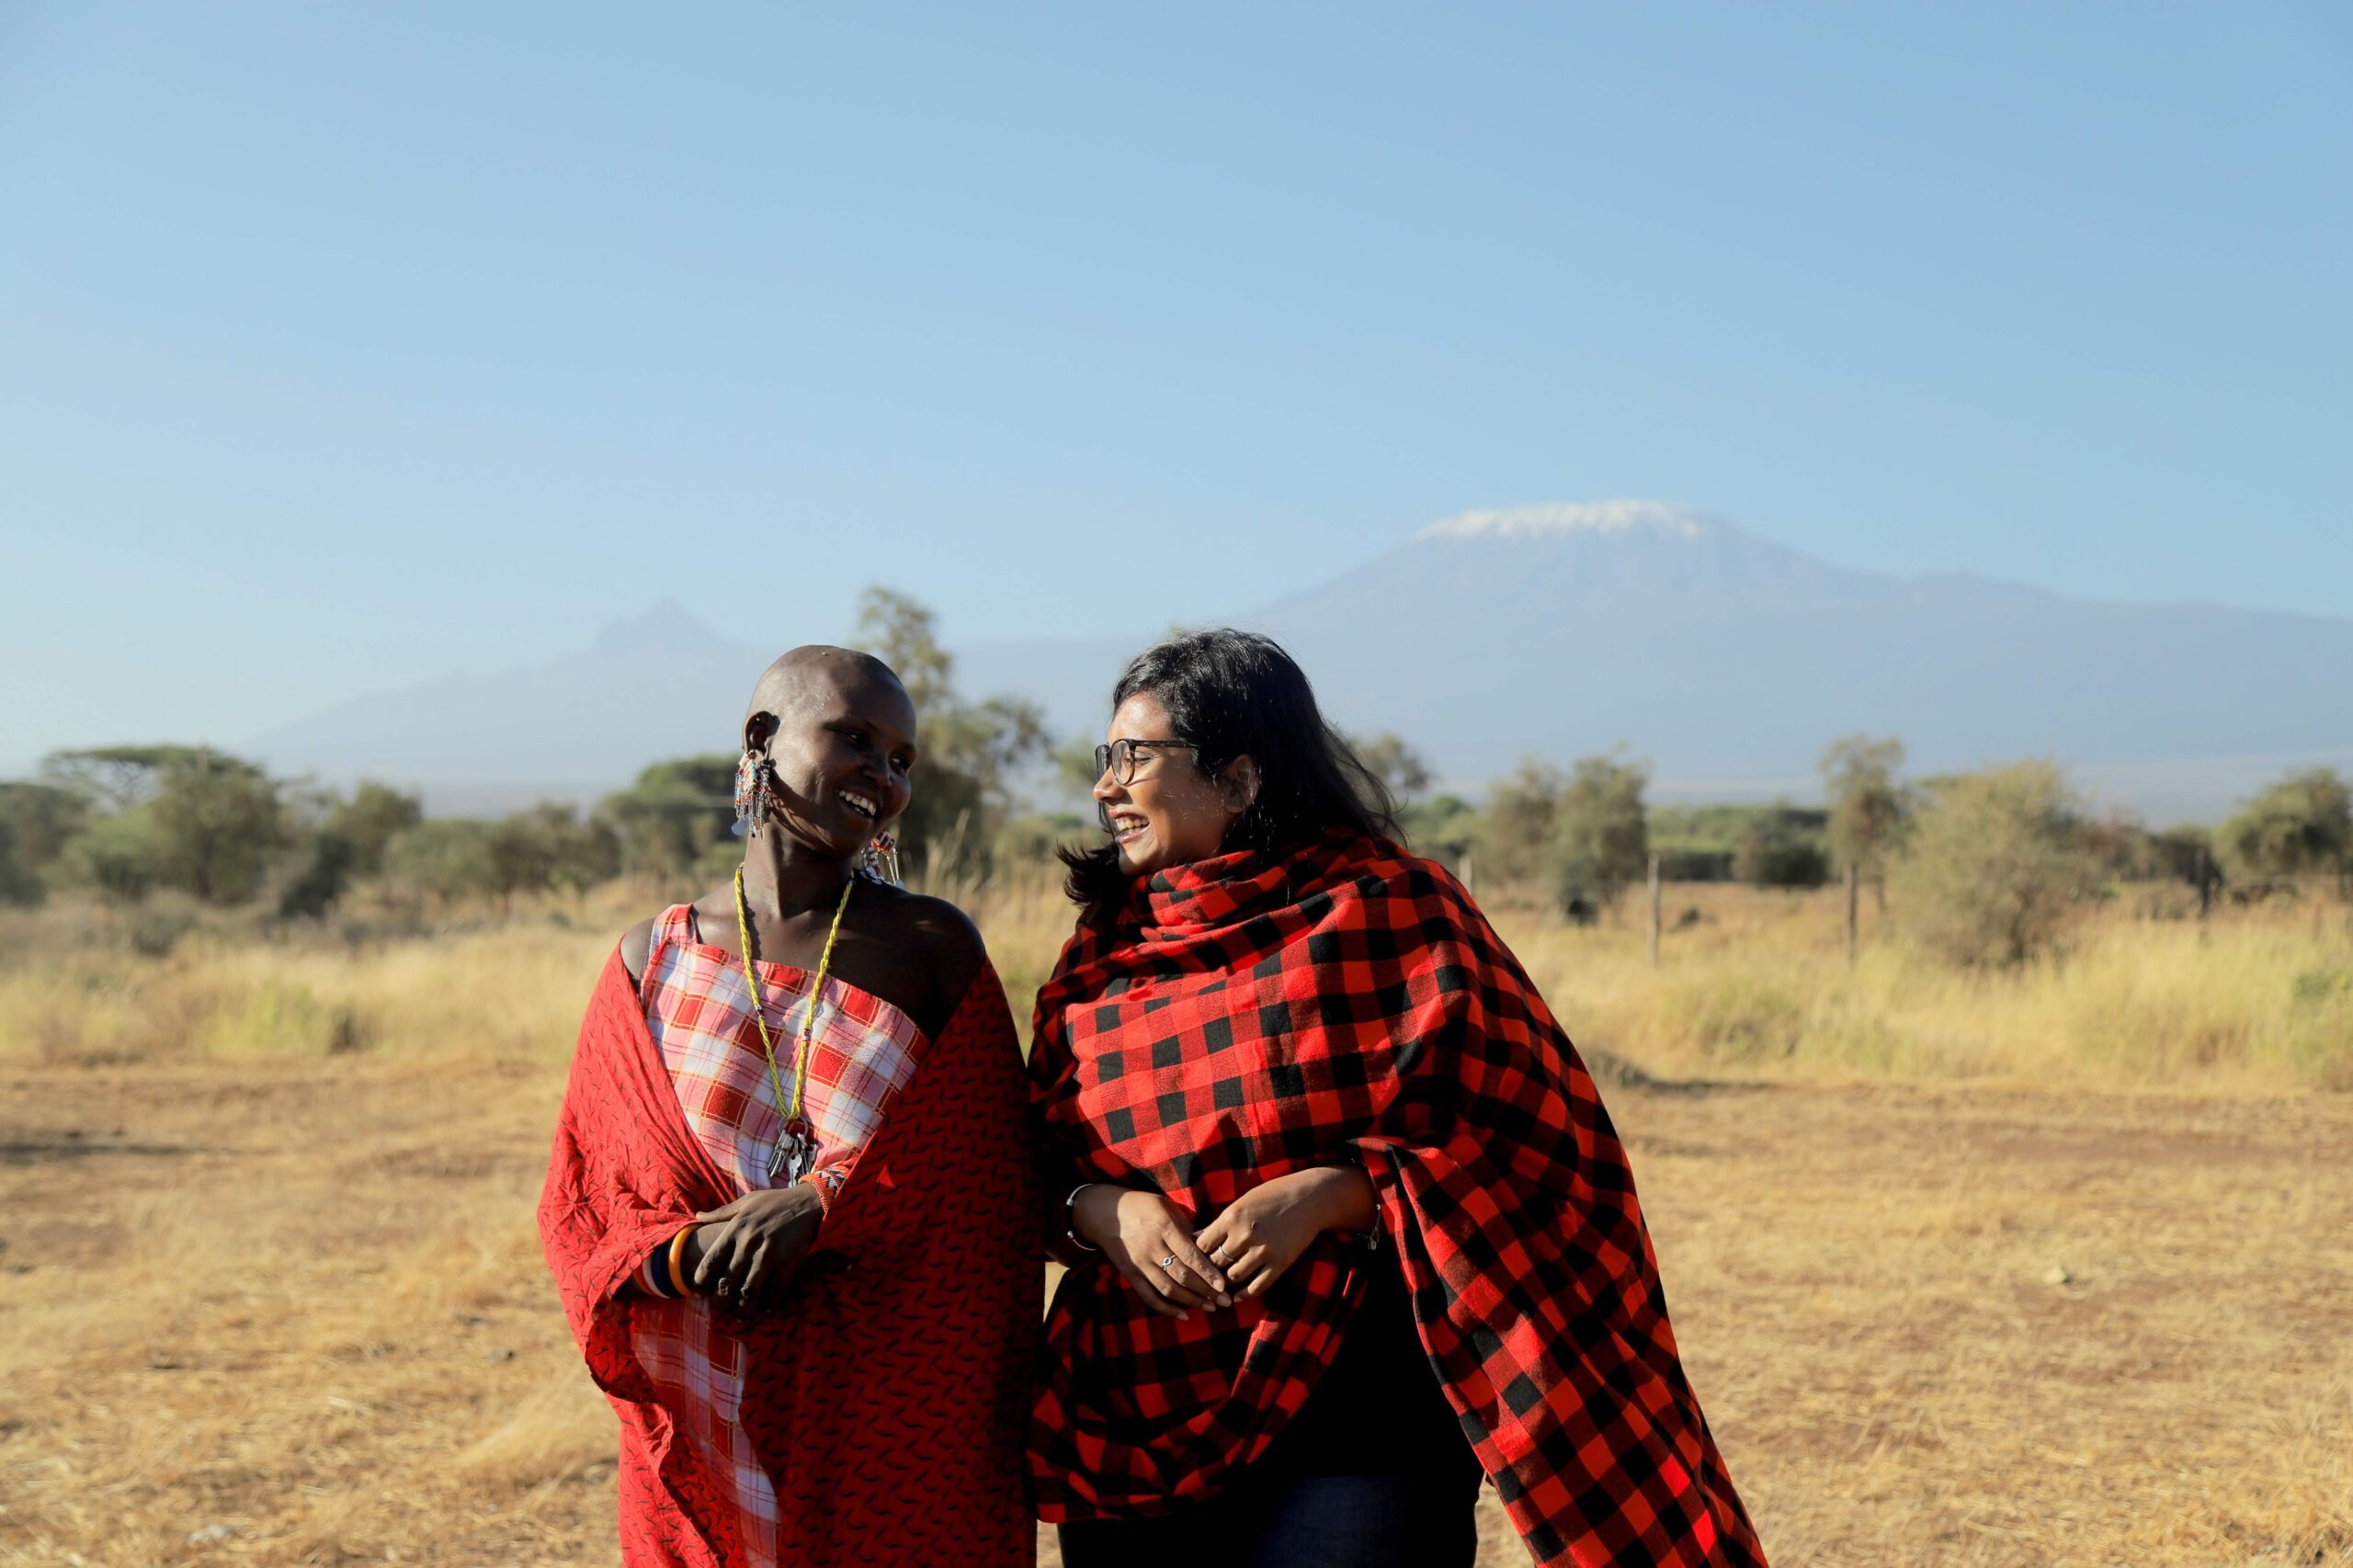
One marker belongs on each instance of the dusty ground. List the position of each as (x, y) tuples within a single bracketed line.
[(296, 1314)]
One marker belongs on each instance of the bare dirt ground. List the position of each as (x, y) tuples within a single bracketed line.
[(295, 1313)]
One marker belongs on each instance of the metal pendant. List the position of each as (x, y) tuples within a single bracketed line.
[(795, 1153)]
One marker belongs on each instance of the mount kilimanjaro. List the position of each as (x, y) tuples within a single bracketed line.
[(1727, 660)]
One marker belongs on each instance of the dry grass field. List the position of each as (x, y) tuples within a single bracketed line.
[(2047, 1269)]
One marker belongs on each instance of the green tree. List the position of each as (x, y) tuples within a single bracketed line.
[(549, 847), (972, 751), (1868, 803), (1074, 771), (367, 821), (43, 820), (2300, 826), (1600, 834), (118, 778), (1782, 847), (120, 853), (905, 635), (1994, 864), (1444, 827), (675, 816), (1401, 770), (447, 858), (19, 883), (212, 823), (1515, 824), (219, 822)]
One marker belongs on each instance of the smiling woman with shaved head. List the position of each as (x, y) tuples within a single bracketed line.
[(792, 1205)]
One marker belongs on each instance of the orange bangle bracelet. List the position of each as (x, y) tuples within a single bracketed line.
[(677, 1250)]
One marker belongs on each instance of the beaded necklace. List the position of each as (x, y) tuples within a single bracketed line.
[(796, 1149)]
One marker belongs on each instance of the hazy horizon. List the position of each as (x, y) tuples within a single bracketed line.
[(349, 348)]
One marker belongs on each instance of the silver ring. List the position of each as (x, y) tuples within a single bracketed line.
[(1220, 1258), (1169, 1262)]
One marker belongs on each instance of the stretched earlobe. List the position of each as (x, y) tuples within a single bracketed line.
[(751, 792)]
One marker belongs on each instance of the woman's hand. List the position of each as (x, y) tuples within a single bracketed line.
[(1263, 1232), (751, 1247), (1137, 1232)]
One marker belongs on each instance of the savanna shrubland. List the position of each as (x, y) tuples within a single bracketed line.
[(1751, 982)]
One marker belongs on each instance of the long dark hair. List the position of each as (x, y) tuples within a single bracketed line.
[(1233, 694)]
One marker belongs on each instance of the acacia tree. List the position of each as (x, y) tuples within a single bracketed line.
[(368, 820), (972, 751), (1867, 804), (1403, 771), (219, 822), (1600, 833)]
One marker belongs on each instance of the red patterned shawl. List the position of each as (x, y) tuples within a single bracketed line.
[(1242, 1019), (886, 1396)]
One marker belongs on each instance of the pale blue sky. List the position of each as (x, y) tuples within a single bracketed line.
[(342, 347)]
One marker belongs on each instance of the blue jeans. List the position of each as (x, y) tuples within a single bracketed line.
[(1312, 1521)]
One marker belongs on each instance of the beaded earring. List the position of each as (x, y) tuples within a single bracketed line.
[(751, 793), (881, 858)]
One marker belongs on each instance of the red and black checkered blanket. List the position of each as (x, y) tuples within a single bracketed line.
[(1242, 1018)]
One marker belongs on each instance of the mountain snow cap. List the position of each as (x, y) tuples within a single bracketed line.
[(1558, 519)]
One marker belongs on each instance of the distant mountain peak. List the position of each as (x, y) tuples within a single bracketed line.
[(1561, 518), (667, 627)]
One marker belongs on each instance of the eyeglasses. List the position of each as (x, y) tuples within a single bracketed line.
[(1119, 758)]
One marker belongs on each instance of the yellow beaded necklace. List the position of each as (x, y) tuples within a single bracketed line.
[(796, 1149)]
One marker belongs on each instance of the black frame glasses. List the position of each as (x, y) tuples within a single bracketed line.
[(1119, 758)]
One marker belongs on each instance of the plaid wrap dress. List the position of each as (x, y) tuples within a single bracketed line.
[(876, 1416), (1245, 1017)]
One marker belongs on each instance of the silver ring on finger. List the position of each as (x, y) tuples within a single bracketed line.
[(1220, 1258), (1169, 1262)]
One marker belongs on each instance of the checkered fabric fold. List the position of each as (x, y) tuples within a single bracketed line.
[(1245, 1017)]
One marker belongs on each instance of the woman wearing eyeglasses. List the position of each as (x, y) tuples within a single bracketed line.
[(1347, 1225)]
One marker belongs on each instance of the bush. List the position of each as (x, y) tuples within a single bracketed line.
[(277, 1018), (1783, 849), (1994, 866), (674, 815), (450, 859), (1515, 824), (1031, 841), (118, 855), (19, 885), (1445, 828), (2300, 826), (320, 882), (158, 927), (40, 820)]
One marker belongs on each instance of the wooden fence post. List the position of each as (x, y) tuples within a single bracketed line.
[(1854, 904), (1654, 909)]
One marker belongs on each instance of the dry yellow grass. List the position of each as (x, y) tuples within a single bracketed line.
[(270, 1280)]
